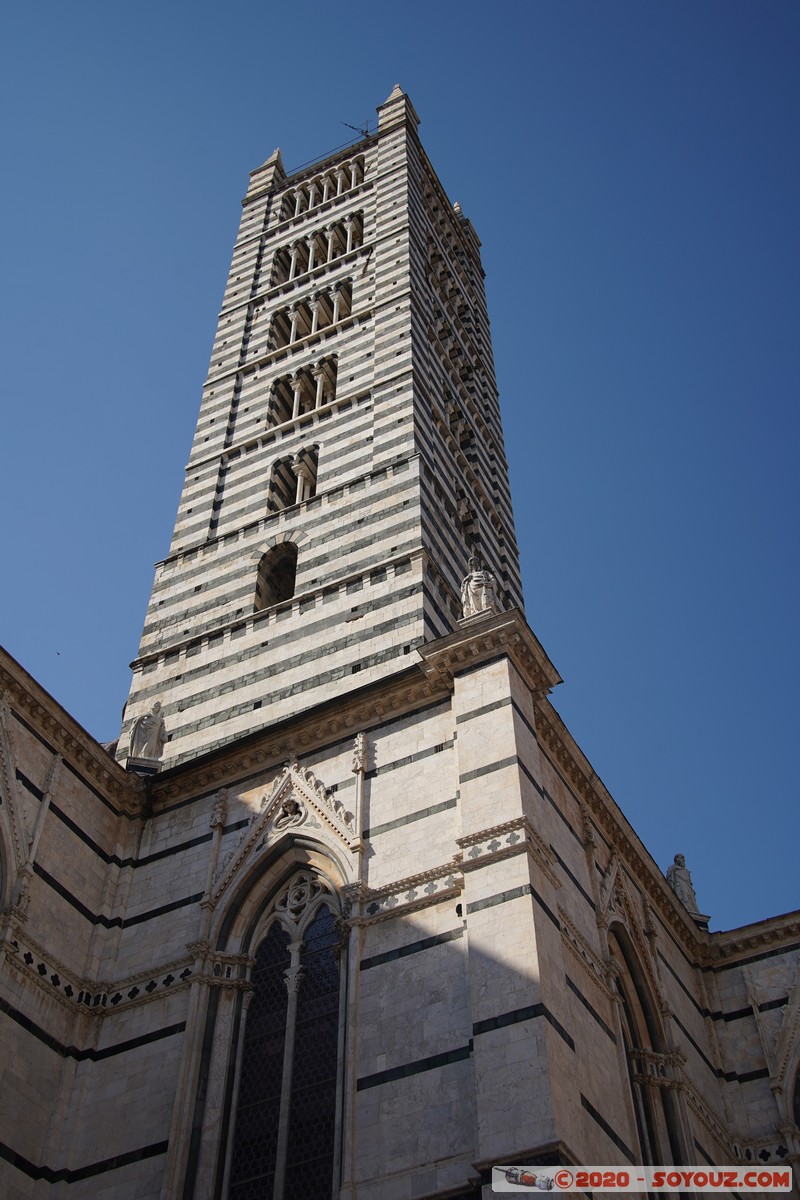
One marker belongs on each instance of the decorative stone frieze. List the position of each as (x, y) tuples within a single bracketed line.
[(504, 841), (412, 893), (504, 633), (95, 997), (769, 1149)]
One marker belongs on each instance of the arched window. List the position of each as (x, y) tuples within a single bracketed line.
[(305, 466), (293, 480), (285, 1124), (282, 485), (277, 573), (648, 1064)]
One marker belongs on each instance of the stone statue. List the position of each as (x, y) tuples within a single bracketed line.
[(479, 590), (21, 895), (680, 881), (220, 810), (360, 754), (148, 734)]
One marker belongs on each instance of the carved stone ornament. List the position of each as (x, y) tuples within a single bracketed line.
[(360, 754), (291, 812), (302, 891), (296, 797), (220, 810), (478, 591), (21, 893), (617, 905)]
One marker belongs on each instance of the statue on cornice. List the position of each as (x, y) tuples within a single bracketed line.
[(479, 590), (149, 734), (680, 881)]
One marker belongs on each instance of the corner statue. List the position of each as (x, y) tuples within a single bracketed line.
[(479, 590), (680, 881), (148, 734)]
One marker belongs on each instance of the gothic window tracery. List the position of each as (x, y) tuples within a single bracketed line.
[(284, 1136)]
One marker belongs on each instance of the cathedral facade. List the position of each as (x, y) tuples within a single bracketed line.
[(346, 912)]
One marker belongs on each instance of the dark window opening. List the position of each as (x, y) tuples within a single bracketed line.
[(255, 1143), (284, 1137), (277, 573)]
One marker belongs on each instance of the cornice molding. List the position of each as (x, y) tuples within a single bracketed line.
[(485, 638), (85, 995), (705, 950), (730, 944), (328, 723), (444, 882), (19, 834), (589, 789), (26, 698)]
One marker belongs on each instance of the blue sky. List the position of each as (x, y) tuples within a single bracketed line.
[(632, 170)]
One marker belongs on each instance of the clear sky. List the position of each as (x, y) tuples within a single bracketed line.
[(631, 167)]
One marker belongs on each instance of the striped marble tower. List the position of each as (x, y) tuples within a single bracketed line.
[(348, 452)]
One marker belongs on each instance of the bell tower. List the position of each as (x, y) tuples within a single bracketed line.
[(348, 457)]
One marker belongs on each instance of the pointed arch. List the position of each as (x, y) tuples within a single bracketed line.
[(257, 909), (650, 1062), (285, 1093)]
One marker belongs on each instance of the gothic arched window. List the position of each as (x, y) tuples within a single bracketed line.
[(648, 1064), (284, 1134)]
